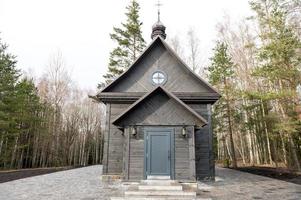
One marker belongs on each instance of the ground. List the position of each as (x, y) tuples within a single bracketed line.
[(233, 184), (85, 184), (11, 175), (81, 183), (272, 172)]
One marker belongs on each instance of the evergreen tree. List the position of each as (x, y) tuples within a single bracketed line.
[(28, 121), (129, 40), (8, 80), (279, 69), (220, 74), (19, 105)]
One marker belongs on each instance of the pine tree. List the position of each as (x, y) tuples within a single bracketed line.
[(28, 121), (129, 40), (279, 69), (19, 105), (220, 73), (8, 80)]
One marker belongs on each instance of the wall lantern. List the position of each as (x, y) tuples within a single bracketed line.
[(134, 131), (184, 133)]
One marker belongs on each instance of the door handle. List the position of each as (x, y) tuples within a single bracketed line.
[(168, 154)]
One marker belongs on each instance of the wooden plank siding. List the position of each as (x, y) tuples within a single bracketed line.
[(182, 164), (159, 58), (191, 147), (114, 161), (204, 156), (126, 154), (136, 155), (211, 150), (160, 109), (106, 140), (114, 140)]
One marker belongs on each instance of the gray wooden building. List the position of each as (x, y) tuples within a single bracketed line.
[(158, 118)]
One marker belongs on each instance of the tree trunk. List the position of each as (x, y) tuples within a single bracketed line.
[(234, 162), (294, 152), (267, 135)]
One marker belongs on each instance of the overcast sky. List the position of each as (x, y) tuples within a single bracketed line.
[(35, 29)]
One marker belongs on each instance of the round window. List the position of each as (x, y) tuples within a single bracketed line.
[(158, 78)]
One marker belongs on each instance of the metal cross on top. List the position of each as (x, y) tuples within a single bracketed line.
[(158, 5)]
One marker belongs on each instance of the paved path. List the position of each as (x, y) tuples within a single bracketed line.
[(76, 184), (233, 184), (85, 184)]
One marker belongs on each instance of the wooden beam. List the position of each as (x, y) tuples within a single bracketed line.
[(129, 97), (211, 153), (126, 153), (107, 139), (191, 146)]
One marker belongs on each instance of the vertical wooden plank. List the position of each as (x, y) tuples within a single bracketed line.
[(126, 153), (191, 146), (211, 153), (145, 137), (172, 147), (106, 139)]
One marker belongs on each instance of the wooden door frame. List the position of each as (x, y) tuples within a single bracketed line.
[(172, 147)]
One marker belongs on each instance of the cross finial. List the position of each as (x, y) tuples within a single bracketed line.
[(158, 29), (158, 5)]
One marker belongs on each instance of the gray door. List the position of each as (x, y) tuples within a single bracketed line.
[(158, 151)]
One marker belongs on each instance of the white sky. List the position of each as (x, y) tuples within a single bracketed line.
[(35, 29)]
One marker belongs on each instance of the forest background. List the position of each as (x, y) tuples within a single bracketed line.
[(48, 121)]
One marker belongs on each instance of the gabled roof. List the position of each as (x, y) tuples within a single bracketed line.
[(159, 90), (169, 49)]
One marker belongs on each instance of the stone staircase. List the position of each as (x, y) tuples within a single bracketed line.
[(158, 188)]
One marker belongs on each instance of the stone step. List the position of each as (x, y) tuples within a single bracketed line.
[(160, 187), (160, 193), (159, 182), (158, 177)]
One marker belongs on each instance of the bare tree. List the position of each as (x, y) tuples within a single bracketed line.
[(59, 88), (177, 47), (59, 80), (193, 49)]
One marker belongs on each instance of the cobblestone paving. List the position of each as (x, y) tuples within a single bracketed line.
[(233, 184), (85, 184), (76, 184)]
